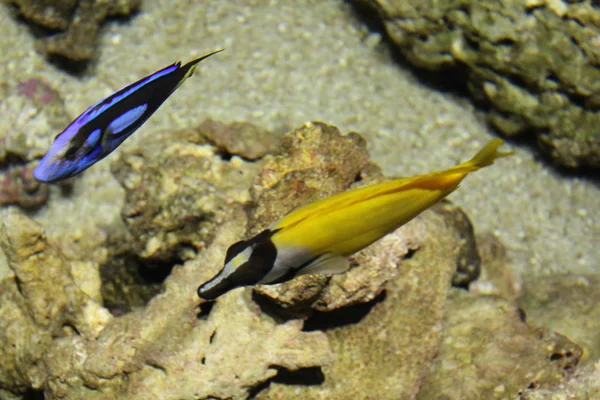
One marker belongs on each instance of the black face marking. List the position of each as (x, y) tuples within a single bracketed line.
[(235, 249), (261, 261)]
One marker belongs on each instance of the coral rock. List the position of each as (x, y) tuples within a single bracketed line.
[(384, 349), (178, 189), (489, 352), (240, 138), (534, 63)]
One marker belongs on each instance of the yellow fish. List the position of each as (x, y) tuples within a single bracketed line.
[(317, 238)]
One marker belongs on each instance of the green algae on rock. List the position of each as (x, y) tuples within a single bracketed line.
[(568, 304), (489, 352), (534, 63), (78, 21)]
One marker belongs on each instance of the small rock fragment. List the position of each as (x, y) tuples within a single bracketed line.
[(242, 139), (79, 21), (468, 262), (497, 277), (18, 187), (568, 304)]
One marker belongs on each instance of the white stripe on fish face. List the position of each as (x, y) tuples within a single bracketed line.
[(229, 268), (121, 123)]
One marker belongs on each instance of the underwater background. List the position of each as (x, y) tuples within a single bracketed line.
[(287, 63)]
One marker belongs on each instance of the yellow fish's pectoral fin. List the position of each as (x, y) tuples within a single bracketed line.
[(328, 264)]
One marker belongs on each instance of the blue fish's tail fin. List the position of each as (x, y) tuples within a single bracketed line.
[(190, 67)]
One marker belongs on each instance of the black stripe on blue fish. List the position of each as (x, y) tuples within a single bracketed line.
[(261, 261)]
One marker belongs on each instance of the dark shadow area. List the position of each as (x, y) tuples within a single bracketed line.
[(204, 310), (305, 376), (78, 69), (128, 282), (156, 272), (528, 141), (32, 394), (322, 321), (451, 80), (281, 314), (409, 254), (223, 153)]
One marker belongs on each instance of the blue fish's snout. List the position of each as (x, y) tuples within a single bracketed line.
[(49, 170)]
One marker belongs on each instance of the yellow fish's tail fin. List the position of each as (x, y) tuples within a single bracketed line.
[(450, 178), (483, 158), (487, 155)]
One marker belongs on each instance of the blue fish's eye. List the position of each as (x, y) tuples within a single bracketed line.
[(93, 138), (71, 152), (125, 120)]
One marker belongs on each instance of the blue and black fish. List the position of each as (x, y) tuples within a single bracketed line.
[(105, 125)]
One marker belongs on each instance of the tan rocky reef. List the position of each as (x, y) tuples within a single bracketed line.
[(389, 319)]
